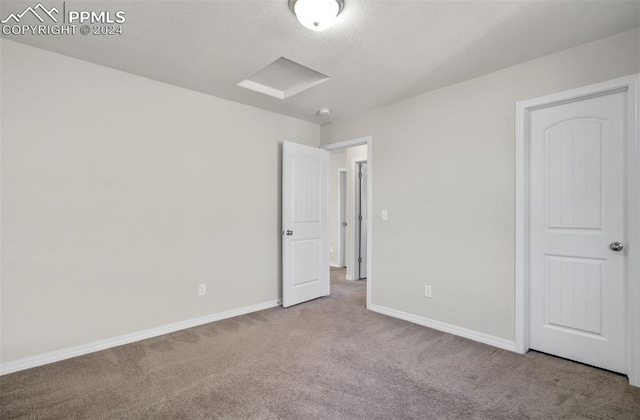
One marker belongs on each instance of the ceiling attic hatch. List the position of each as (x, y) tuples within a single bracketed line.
[(283, 78)]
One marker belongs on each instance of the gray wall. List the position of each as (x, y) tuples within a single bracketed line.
[(444, 168), (121, 194)]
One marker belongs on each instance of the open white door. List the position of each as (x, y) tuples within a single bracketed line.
[(305, 223)]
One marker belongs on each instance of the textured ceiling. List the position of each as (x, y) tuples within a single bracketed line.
[(377, 53)]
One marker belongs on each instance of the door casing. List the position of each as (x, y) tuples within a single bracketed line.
[(630, 85)]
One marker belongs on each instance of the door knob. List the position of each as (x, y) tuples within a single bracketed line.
[(344, 223), (289, 232), (616, 246)]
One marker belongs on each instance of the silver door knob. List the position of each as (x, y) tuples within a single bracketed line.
[(616, 246), (289, 232)]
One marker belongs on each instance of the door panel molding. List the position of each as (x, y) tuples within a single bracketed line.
[(629, 85)]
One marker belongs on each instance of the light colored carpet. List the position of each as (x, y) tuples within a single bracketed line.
[(325, 359)]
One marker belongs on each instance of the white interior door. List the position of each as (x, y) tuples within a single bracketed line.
[(577, 202), (305, 223)]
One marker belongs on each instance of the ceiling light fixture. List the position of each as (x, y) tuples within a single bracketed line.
[(324, 112), (316, 14)]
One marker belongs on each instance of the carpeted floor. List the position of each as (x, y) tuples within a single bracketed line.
[(325, 359)]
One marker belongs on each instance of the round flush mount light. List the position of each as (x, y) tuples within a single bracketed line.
[(316, 15), (324, 112)]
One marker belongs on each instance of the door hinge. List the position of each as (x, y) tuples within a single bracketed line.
[(360, 218), (359, 260), (360, 175)]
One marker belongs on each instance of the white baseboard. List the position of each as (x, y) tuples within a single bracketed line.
[(348, 277), (448, 328), (335, 265), (58, 355)]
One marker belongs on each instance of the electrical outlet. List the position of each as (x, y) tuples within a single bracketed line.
[(427, 291), (202, 289), (331, 249)]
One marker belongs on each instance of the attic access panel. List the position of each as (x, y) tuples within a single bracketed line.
[(283, 78)]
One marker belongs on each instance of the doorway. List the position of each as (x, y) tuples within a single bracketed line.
[(351, 170), (577, 288), (307, 208)]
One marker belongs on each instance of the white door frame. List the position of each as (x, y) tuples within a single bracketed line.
[(630, 85), (345, 145)]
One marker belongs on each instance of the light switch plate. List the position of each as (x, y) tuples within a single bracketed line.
[(385, 215)]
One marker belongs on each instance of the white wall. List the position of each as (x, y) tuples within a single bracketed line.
[(338, 161), (444, 168), (121, 194)]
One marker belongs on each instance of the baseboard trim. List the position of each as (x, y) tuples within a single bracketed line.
[(68, 353), (348, 277), (335, 265), (448, 328)]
